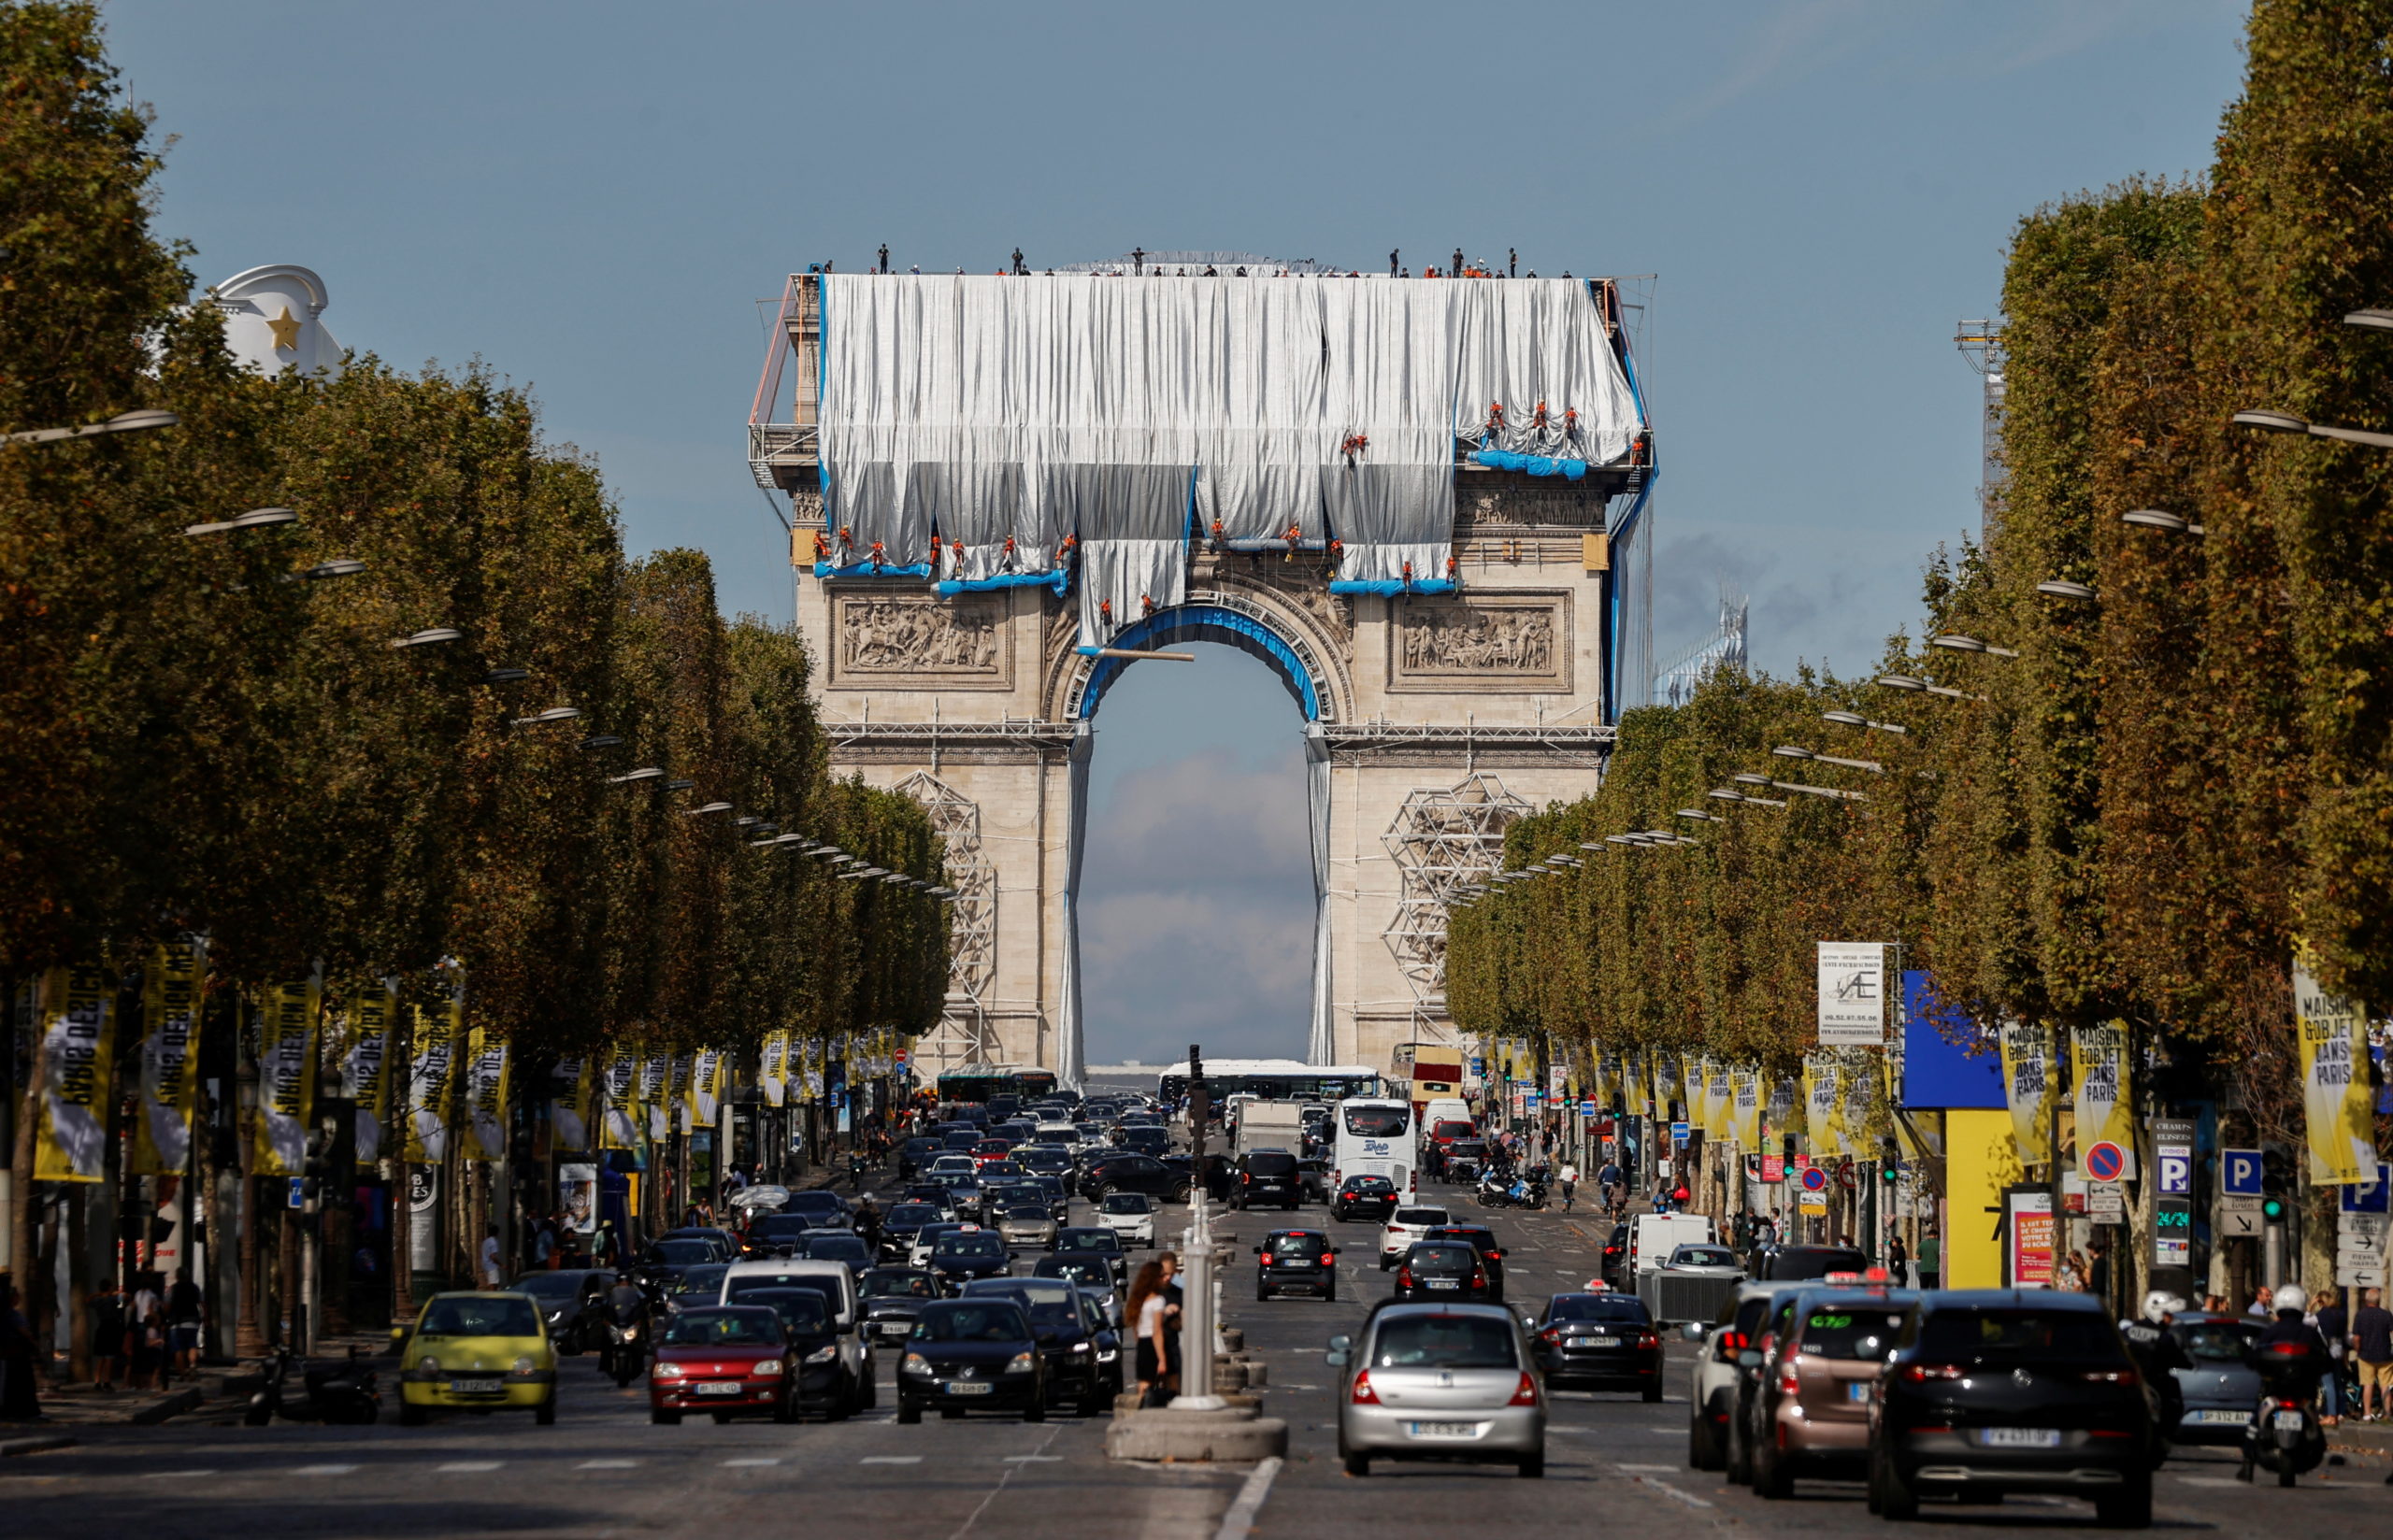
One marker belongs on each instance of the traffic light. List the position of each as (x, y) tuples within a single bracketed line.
[(1890, 1159), (2276, 1182)]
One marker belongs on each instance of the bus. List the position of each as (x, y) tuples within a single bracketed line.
[(1272, 1081), (1373, 1137), (990, 1081)]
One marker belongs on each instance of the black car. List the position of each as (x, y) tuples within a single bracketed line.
[(1296, 1261), (1083, 1352), (963, 1254), (814, 1340), (774, 1234), (838, 1245), (1098, 1241), (1363, 1198), (1995, 1391), (997, 1197), (1090, 1271), (891, 1299), (822, 1207), (1784, 1263), (1442, 1270), (899, 1228), (573, 1301), (969, 1353), (1483, 1240), (1615, 1257), (934, 1193), (1313, 1179), (917, 1154), (1267, 1177), (1123, 1172), (724, 1244), (1601, 1342), (1146, 1139)]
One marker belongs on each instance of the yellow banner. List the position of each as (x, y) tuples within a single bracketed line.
[(485, 1123), (619, 1101), (2105, 1089), (2333, 1036), (677, 1090), (432, 1078), (772, 1069), (570, 1083), (2027, 1088), (1824, 1102), (1744, 1107), (366, 1068), (173, 999), (703, 1101), (286, 1077), (77, 1012), (656, 1078)]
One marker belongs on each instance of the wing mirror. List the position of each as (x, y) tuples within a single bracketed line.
[(1749, 1359)]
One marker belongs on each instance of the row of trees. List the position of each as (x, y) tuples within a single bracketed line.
[(2175, 780), (201, 740)]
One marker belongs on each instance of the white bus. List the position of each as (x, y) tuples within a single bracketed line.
[(1374, 1138)]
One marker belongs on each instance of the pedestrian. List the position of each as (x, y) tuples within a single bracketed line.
[(490, 1259), (1570, 1185), (107, 1321), (146, 1298), (186, 1310), (2260, 1307), (1898, 1262), (544, 1244), (2335, 1328), (1931, 1257), (1681, 1197), (2070, 1279), (149, 1353), (1609, 1180), (1144, 1312), (2373, 1345), (20, 1400)]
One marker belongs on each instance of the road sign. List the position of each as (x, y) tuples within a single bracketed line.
[(2374, 1197), (2104, 1162), (2239, 1173), (1844, 1175), (1811, 1203), (2172, 1233), (1814, 1179), (298, 1198), (1589, 1109), (2106, 1203), (1679, 1135), (2238, 1221), (2176, 1173)]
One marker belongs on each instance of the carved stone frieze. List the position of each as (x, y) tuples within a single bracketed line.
[(887, 638), (1467, 643)]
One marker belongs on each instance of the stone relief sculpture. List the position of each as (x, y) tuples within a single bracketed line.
[(885, 636), (1483, 640)]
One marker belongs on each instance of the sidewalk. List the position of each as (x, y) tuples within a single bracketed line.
[(71, 1406)]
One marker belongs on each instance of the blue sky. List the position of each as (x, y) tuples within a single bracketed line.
[(594, 198)]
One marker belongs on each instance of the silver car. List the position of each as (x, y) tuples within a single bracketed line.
[(1028, 1227), (1439, 1382)]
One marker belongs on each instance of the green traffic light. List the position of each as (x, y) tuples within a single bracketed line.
[(2273, 1209)]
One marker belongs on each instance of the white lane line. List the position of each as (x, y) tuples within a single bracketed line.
[(1665, 1470), (2210, 1481), (606, 1465), (1672, 1492), (1034, 1459), (462, 1467), (322, 1470), (1238, 1522), (768, 1461), (168, 1475), (891, 1460)]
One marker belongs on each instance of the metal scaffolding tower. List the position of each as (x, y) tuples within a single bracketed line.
[(1980, 343)]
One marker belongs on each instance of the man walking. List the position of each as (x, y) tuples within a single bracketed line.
[(2373, 1345), (1570, 1185), (106, 1312), (1931, 1257), (186, 1309)]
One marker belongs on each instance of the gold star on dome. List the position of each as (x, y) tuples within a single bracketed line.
[(285, 330)]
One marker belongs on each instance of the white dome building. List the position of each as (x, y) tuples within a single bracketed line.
[(274, 320)]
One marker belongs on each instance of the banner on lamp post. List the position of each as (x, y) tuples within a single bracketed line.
[(772, 1072), (172, 1000), (432, 1077), (77, 1015), (366, 1068), (2027, 1088), (617, 1101), (286, 1076), (486, 1096), (2105, 1091), (1852, 993), (2333, 1036)]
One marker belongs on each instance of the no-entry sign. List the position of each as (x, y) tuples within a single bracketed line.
[(2104, 1162)]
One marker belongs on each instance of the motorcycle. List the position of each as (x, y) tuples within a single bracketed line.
[(2284, 1434), (342, 1392), (626, 1346)]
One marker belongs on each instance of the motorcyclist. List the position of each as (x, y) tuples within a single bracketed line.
[(868, 1222), (2291, 1357), (626, 1305), (2157, 1353), (2291, 1304)]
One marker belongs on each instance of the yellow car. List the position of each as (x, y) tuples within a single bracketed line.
[(476, 1353)]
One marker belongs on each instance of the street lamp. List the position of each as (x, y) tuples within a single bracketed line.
[(2378, 321), (121, 423), (1854, 718), (431, 637), (2062, 589), (1956, 642), (254, 518), (2268, 422), (709, 807), (1794, 751), (506, 675), (678, 785), (2154, 518), (600, 740), (1913, 686), (554, 714), (646, 772), (340, 566), (1699, 813)]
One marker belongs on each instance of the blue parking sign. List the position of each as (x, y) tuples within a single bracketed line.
[(2374, 1197), (2176, 1173), (2239, 1173)]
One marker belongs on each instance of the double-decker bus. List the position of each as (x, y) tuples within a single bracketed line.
[(981, 1085)]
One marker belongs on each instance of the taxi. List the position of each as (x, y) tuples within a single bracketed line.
[(477, 1352)]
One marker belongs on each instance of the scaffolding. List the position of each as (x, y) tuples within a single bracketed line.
[(1443, 842), (1674, 682), (1980, 343), (963, 1036)]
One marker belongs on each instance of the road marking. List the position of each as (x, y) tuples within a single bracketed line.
[(1034, 1459), (169, 1476), (1239, 1521), (607, 1464), (1668, 1490), (891, 1460), (322, 1470), (462, 1466), (2210, 1481), (768, 1461), (1666, 1470)]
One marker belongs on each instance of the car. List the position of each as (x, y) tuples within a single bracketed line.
[(1464, 1159), (898, 1229), (477, 1352), (998, 1196), (991, 1150), (1296, 1261), (1990, 1391), (1083, 1350), (951, 1165), (1810, 1400), (1439, 1381), (2220, 1387), (1147, 1139), (1599, 1341), (696, 1244), (773, 1235), (724, 1360), (698, 1284), (822, 1205), (964, 1254), (1044, 1159), (962, 1136), (1028, 1227), (1363, 1198), (1128, 1215), (916, 1154), (573, 1303), (1409, 1223), (836, 1282), (1092, 1276), (725, 1242), (838, 1245), (1724, 1370), (1313, 1179), (970, 1353), (1483, 1241), (997, 1172), (1130, 1172), (1443, 1269), (815, 1382), (1614, 1268), (1803, 1263), (1704, 1261), (1653, 1238), (928, 1235), (892, 1299), (1091, 1240), (933, 1193), (1265, 1176)]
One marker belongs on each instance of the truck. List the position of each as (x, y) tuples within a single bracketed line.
[(1270, 1125)]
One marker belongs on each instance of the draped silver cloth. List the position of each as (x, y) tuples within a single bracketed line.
[(1124, 411), (1321, 1043)]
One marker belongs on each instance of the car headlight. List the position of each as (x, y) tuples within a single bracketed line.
[(1108, 1355), (523, 1366), (1022, 1364), (768, 1368), (915, 1363), (427, 1365), (1079, 1347), (831, 1354), (669, 1371)]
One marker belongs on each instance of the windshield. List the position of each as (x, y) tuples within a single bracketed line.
[(898, 1286), (1704, 1256), (1378, 1122), (779, 1227), (802, 1310), (1300, 1244), (682, 1253), (1022, 1213), (1815, 1262), (756, 1283), (1128, 1203), (550, 1285), (1444, 1342), (724, 1329), (1849, 1332), (972, 1248), (1447, 1128), (2025, 1336), (1376, 1186), (1085, 1272), (818, 1202), (960, 1321), (701, 1280), (1444, 1262), (1624, 1309), (909, 1214), (1088, 1240), (496, 1316), (839, 1248), (2217, 1341)]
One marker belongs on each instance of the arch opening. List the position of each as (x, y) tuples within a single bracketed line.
[(1207, 622)]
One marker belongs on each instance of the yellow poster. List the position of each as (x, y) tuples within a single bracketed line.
[(570, 1083), (2027, 1088), (286, 1076), (772, 1069), (655, 1081), (432, 1078), (702, 1104), (485, 1125), (366, 1068), (1720, 1102), (2333, 1038), (78, 1012), (2105, 1089), (1745, 1100), (619, 1101), (173, 992), (1824, 1102)]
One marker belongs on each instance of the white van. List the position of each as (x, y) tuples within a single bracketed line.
[(1652, 1238), (1444, 1109), (833, 1278)]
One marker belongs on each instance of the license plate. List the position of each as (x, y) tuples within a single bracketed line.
[(1597, 1342), (2290, 1421), (969, 1388), (720, 1387), (2019, 1438), (894, 1328), (1446, 1430), (2222, 1417), (477, 1387), (1857, 1390), (1445, 1283)]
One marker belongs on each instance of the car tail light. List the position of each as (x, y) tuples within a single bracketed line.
[(1525, 1394), (1789, 1382), (1363, 1395), (1550, 1334), (1404, 1278), (1918, 1372), (1647, 1339), (1732, 1342), (1263, 1260), (2286, 1404), (1479, 1277), (2114, 1376)]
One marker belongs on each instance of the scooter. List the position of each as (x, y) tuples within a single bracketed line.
[(2284, 1434), (626, 1348), (339, 1391)]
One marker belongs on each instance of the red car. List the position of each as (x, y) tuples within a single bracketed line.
[(724, 1359), (990, 1149)]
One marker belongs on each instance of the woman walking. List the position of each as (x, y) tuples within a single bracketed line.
[(1144, 1313)]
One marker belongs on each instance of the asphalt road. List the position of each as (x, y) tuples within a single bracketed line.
[(605, 1470)]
